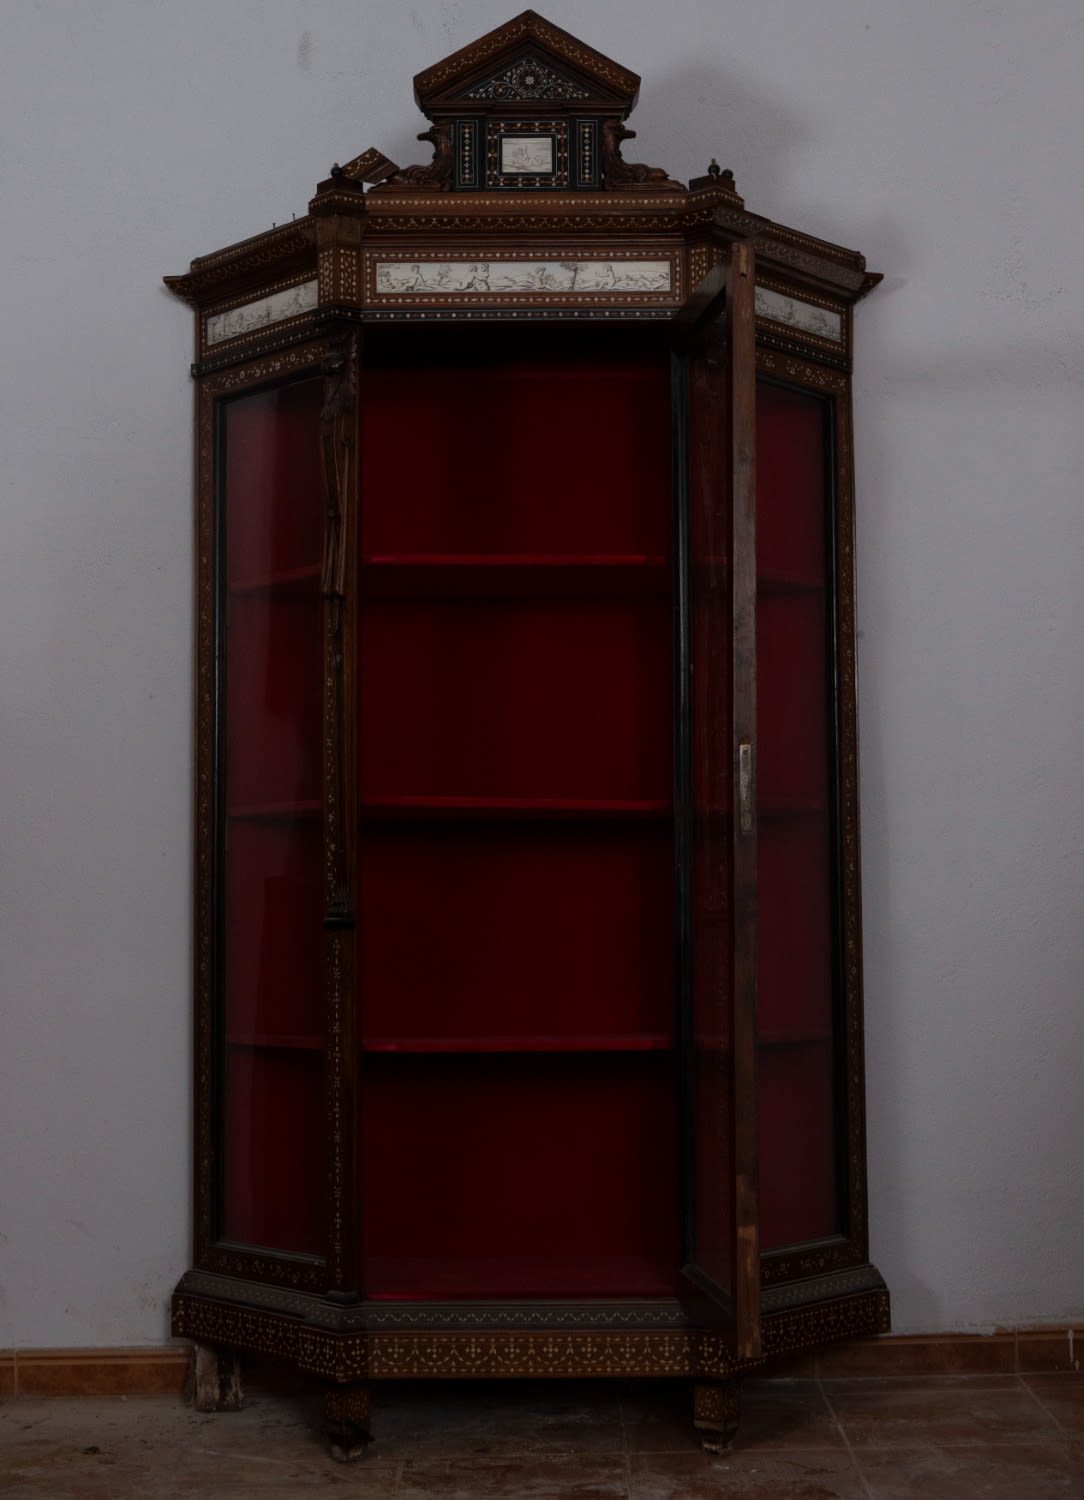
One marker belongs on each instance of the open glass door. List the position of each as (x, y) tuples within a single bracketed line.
[(715, 795)]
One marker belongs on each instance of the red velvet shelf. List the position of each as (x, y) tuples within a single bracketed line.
[(497, 576), (406, 1278), (794, 1038), (286, 581), (440, 572), (780, 583), (422, 807), (438, 1045), (772, 1039), (259, 1041), (271, 811), (777, 807)]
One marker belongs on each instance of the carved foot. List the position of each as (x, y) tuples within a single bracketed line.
[(346, 1413), (716, 1413), (216, 1379)]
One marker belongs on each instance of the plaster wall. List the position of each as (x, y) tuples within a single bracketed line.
[(941, 140)]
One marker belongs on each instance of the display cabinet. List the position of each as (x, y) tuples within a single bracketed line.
[(529, 1036)]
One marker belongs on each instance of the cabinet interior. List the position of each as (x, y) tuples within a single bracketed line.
[(518, 1079)]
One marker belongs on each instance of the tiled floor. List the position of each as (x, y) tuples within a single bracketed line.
[(855, 1439)]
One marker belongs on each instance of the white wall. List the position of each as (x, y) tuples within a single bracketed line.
[(940, 137)]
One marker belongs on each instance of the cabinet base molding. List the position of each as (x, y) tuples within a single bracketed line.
[(340, 1344), (164, 1371)]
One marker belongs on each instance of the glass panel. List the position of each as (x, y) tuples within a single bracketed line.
[(712, 822), (795, 971), (271, 942)]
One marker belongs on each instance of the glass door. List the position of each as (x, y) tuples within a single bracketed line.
[(715, 795)]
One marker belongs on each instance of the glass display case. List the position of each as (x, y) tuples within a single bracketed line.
[(529, 1032)]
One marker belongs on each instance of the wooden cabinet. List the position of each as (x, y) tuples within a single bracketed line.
[(528, 957)]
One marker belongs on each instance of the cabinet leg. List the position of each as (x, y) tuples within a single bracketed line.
[(716, 1413), (216, 1379), (346, 1414)]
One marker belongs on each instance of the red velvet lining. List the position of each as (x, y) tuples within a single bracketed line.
[(516, 849), (516, 930), (274, 700), (790, 484), (273, 934), (557, 699), (273, 1090), (794, 969), (275, 1178), (794, 942), (561, 1168), (498, 443), (797, 1145), (276, 506), (792, 693)]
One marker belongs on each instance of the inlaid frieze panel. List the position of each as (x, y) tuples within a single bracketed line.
[(802, 316), (252, 317), (501, 276)]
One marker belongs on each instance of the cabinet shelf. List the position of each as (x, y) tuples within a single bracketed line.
[(788, 807), (259, 1041), (631, 1042), (512, 575), (287, 581), (769, 1040), (417, 1278), (781, 583), (274, 811), (380, 809)]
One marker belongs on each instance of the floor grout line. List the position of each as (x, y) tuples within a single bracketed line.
[(846, 1441), (1041, 1404), (625, 1453)]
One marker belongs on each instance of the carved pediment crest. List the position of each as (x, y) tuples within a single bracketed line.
[(528, 78), (525, 59), (525, 108)]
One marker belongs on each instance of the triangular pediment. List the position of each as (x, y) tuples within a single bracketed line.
[(529, 77), (526, 59)]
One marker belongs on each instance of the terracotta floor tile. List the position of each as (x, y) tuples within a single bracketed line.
[(938, 1412), (1063, 1398), (775, 1414), (821, 1475), (156, 1447), (582, 1477), (1037, 1471), (658, 1416), (487, 1419), (786, 1414)]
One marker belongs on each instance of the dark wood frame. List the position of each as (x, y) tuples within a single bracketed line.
[(307, 1308)]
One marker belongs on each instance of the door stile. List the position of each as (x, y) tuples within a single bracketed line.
[(743, 575), (339, 453), (683, 851)]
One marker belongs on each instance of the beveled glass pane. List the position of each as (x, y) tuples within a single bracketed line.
[(796, 953), (271, 943)]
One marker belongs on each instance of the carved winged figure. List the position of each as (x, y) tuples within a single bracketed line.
[(617, 173), (439, 172)]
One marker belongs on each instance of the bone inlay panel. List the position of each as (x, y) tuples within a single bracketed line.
[(428, 277), (802, 315), (273, 309)]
